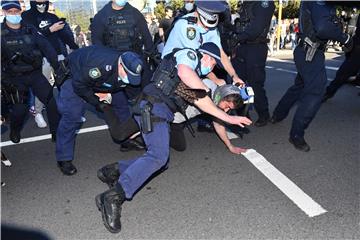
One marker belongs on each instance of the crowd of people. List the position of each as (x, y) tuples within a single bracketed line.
[(151, 78)]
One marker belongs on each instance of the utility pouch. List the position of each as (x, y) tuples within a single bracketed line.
[(146, 123)]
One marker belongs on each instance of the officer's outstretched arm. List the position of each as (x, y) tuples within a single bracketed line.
[(190, 78), (208, 106), (229, 68)]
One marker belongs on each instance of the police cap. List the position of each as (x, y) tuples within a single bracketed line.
[(6, 5), (211, 6), (133, 66), (212, 50)]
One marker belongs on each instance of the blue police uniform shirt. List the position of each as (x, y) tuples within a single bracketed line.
[(94, 69), (189, 35), (187, 57)]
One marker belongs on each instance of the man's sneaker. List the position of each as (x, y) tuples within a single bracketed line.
[(40, 122), (131, 145), (109, 174), (109, 203), (299, 143), (67, 168)]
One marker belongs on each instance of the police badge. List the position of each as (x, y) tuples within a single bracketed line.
[(190, 33), (265, 4), (94, 73)]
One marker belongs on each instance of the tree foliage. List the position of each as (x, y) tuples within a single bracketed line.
[(176, 4), (290, 9), (159, 11)]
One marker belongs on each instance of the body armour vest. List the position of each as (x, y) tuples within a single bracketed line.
[(172, 90), (121, 32), (20, 53)]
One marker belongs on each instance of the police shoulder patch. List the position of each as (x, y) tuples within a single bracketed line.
[(94, 73), (190, 33), (265, 4), (191, 55)]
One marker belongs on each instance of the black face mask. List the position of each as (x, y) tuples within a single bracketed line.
[(40, 7)]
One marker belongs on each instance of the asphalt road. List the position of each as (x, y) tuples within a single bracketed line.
[(207, 192)]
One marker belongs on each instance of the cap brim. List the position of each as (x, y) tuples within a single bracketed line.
[(134, 80)]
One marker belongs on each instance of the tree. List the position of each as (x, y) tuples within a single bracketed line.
[(159, 11), (233, 5), (176, 4)]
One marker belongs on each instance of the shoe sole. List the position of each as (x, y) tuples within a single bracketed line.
[(101, 208)]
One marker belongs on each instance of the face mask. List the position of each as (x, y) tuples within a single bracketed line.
[(189, 6), (205, 70), (41, 7), (13, 19), (124, 80), (121, 3)]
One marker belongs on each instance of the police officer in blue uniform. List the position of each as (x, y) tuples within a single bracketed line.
[(251, 51), (120, 26), (175, 83), (318, 24), (23, 48), (95, 71), (351, 65)]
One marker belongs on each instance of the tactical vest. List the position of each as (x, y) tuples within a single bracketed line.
[(121, 33), (20, 52), (245, 12), (166, 80), (306, 26)]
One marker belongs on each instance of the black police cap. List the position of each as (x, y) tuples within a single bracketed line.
[(211, 6)]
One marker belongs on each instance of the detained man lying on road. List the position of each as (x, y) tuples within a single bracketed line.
[(226, 97)]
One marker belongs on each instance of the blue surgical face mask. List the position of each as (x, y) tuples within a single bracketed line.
[(121, 3), (124, 79), (13, 19), (205, 70)]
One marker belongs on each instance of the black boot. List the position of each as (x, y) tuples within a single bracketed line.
[(299, 143), (67, 168), (109, 203), (109, 174), (132, 144), (262, 121), (15, 135)]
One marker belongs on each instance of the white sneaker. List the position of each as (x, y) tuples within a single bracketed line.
[(39, 119)]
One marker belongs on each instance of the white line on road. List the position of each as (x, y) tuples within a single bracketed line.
[(287, 71), (291, 61), (290, 189), (48, 136)]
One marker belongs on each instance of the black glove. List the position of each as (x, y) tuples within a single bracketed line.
[(348, 46), (61, 73), (103, 106)]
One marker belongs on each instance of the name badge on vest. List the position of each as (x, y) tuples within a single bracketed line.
[(190, 33)]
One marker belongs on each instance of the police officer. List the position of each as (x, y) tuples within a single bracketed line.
[(351, 65), (318, 24), (251, 50), (96, 72), (57, 32), (120, 26), (23, 49), (174, 80), (199, 27)]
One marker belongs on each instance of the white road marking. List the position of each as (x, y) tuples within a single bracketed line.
[(287, 71), (290, 189), (291, 61), (48, 136)]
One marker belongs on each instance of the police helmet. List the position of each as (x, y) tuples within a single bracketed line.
[(209, 12)]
